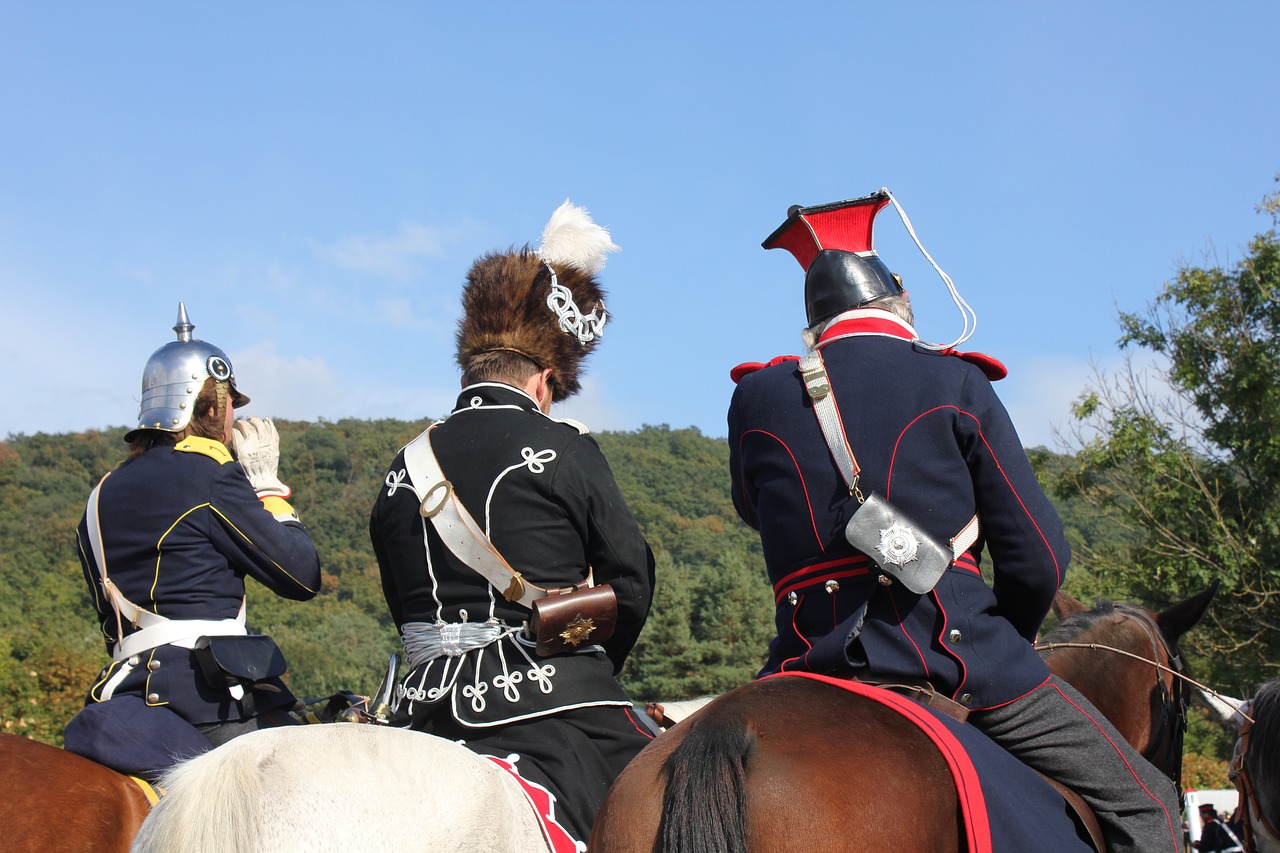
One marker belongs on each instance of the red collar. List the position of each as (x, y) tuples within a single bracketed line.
[(867, 321)]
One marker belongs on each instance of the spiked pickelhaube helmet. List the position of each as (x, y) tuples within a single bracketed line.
[(174, 375), (833, 244), (545, 304)]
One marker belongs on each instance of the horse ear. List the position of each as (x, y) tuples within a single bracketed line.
[(1178, 619), (1065, 605)]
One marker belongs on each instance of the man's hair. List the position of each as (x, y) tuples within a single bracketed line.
[(202, 422), (503, 365), (897, 303)]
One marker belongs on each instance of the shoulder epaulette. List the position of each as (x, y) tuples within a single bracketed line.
[(748, 367), (215, 450), (989, 365)]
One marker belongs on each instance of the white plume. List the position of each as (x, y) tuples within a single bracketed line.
[(571, 238)]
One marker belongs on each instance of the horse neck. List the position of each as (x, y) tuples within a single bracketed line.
[(1121, 688)]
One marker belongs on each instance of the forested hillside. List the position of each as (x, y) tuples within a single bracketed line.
[(711, 620)]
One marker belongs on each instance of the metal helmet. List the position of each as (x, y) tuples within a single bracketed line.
[(174, 374), (833, 244)]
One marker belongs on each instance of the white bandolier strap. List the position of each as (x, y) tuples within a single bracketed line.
[(814, 373), (816, 382), (963, 540), (153, 629), (457, 528)]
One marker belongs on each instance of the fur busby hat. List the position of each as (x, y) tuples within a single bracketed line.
[(833, 244), (544, 304)]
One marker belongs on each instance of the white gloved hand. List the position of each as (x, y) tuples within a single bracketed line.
[(257, 446)]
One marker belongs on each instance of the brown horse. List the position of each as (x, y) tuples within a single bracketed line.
[(57, 800), (792, 764)]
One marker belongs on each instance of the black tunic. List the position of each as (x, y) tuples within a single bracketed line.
[(545, 495)]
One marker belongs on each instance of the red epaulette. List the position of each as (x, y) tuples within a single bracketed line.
[(752, 366), (991, 366)]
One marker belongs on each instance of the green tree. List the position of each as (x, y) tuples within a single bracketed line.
[(1185, 459)]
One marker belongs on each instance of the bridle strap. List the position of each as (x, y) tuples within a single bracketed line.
[(1248, 793)]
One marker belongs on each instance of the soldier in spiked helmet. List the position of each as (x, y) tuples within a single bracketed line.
[(166, 542), (870, 411), (537, 492)]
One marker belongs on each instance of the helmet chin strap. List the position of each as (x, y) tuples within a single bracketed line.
[(220, 409), (970, 317)]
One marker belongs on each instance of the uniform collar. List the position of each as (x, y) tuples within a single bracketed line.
[(861, 322), (494, 395)]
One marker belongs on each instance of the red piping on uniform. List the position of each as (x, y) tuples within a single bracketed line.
[(983, 436), (817, 567), (808, 503), (1175, 836), (641, 729), (905, 633), (851, 573), (945, 646), (803, 638)]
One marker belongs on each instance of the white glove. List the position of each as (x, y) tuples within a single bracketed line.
[(257, 446)]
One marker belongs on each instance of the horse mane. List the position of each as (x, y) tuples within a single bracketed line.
[(1078, 624), (1264, 742)]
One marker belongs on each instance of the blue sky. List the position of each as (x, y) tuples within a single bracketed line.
[(314, 180)]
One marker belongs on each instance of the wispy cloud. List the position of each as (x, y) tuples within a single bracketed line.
[(397, 256)]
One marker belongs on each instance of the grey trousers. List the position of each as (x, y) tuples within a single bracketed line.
[(1058, 732)]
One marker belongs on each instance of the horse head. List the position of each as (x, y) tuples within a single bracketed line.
[(1126, 661)]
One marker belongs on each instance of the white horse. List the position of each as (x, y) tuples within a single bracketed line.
[(1261, 761), (327, 787), (332, 786)]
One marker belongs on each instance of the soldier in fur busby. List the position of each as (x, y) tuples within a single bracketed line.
[(514, 570)]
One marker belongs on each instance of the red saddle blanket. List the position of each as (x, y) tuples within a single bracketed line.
[(544, 806), (1007, 807)]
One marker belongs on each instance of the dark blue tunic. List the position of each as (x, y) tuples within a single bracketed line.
[(181, 528), (932, 437)]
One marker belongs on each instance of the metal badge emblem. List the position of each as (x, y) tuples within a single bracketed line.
[(218, 368), (898, 544), (578, 630)]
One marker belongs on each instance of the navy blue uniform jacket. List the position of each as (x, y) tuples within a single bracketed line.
[(181, 528), (931, 436)]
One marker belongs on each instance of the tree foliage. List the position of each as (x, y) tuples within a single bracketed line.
[(1185, 459), (707, 633)]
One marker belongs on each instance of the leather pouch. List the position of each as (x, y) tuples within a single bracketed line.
[(244, 660), (568, 618), (900, 547)]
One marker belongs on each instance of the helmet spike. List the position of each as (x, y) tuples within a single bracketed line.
[(183, 327)]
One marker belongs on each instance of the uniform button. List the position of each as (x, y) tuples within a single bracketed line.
[(153, 665), (133, 661), (966, 698), (831, 586), (153, 698), (885, 580), (954, 636), (792, 598)]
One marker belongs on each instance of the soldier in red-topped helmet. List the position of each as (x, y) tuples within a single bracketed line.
[(872, 415)]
